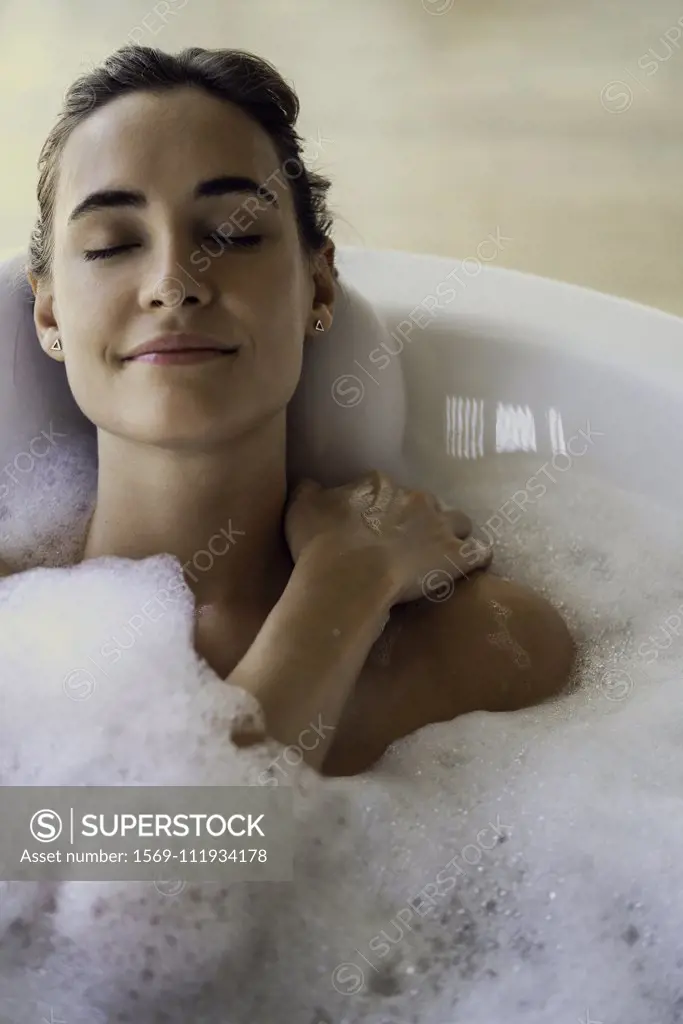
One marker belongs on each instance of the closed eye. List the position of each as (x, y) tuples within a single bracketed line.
[(240, 240), (104, 254), (243, 241)]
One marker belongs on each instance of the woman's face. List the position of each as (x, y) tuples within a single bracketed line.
[(252, 289)]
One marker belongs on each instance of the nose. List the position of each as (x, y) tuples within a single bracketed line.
[(174, 281)]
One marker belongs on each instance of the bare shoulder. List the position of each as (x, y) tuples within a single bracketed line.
[(491, 645)]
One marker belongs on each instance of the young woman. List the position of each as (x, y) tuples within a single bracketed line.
[(180, 263)]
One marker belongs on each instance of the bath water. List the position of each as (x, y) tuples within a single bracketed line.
[(520, 867)]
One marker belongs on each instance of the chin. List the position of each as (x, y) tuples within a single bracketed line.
[(189, 433), (189, 420)]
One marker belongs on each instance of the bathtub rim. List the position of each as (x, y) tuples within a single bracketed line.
[(557, 315)]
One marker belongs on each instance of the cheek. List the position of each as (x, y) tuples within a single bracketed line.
[(93, 325), (279, 360), (93, 316), (277, 316), (273, 288), (282, 346)]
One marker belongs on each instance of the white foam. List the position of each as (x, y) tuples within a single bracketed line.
[(45, 501), (562, 825)]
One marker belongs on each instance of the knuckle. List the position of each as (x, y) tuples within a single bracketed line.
[(362, 487)]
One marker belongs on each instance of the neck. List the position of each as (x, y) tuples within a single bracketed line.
[(220, 512)]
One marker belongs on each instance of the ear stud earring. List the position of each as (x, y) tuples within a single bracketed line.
[(56, 345), (319, 326)]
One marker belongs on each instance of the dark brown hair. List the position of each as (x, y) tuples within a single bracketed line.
[(248, 81)]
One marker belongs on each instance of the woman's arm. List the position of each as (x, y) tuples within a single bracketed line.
[(313, 645), (358, 550)]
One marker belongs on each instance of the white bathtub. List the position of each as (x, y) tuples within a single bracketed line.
[(572, 913), (520, 346)]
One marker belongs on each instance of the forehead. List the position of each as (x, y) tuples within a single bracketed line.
[(164, 143)]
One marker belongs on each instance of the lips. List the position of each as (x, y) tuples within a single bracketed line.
[(201, 346), (183, 357)]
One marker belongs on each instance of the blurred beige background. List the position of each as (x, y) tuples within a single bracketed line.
[(440, 121)]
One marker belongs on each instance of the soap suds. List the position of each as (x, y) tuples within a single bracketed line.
[(521, 867)]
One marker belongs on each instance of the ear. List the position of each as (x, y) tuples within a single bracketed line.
[(44, 317), (324, 277)]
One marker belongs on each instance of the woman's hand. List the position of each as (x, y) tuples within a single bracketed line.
[(416, 534)]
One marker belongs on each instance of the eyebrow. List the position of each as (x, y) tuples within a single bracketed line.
[(110, 198)]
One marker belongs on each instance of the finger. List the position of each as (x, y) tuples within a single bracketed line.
[(475, 554), (484, 556), (374, 488), (360, 492), (470, 557), (372, 491), (385, 492), (461, 524)]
